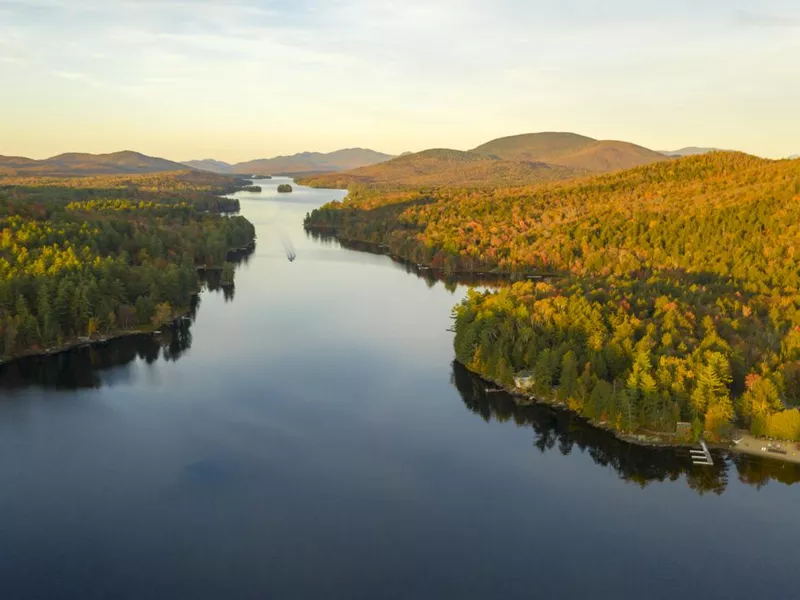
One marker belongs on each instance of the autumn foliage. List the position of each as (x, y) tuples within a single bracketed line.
[(87, 257), (674, 289)]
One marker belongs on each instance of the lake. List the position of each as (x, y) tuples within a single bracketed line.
[(307, 435)]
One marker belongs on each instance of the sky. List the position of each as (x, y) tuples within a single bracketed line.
[(243, 79)]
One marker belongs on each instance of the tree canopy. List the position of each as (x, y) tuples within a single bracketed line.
[(93, 256)]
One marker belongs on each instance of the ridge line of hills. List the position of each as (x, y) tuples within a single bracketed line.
[(517, 160), (296, 164), (127, 162), (513, 160), (73, 164)]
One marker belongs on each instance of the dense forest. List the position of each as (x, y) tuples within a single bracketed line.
[(88, 257), (673, 293)]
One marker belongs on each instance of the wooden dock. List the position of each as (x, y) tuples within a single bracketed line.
[(702, 456)]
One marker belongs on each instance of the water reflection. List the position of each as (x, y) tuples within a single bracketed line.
[(213, 283), (82, 367), (562, 431), (241, 256), (212, 279), (451, 281)]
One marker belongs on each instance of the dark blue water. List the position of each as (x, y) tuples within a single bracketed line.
[(309, 437)]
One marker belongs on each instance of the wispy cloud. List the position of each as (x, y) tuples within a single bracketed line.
[(70, 75), (763, 20), (81, 77)]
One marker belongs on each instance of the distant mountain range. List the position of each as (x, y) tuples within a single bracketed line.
[(296, 164), (515, 160), (692, 151), (128, 162), (76, 164)]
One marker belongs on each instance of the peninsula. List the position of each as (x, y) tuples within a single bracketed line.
[(90, 258)]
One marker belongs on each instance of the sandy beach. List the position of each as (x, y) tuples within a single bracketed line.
[(753, 445)]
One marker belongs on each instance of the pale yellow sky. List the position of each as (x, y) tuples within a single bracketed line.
[(239, 80)]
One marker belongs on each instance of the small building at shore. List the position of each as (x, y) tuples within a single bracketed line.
[(524, 380)]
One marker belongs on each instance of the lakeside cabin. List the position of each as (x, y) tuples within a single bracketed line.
[(524, 380)]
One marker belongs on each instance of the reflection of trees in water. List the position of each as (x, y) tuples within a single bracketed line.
[(82, 367), (325, 239), (241, 256), (563, 431), (432, 277), (759, 472), (212, 279)]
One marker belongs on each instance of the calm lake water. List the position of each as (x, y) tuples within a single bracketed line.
[(309, 437)]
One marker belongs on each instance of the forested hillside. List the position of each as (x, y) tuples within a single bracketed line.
[(571, 150), (76, 164), (202, 186), (677, 296), (512, 161), (443, 167), (86, 257)]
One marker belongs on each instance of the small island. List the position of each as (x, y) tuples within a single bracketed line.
[(284, 188)]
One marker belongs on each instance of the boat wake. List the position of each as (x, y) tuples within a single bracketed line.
[(288, 247)]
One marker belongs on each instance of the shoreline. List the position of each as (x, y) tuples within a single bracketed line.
[(89, 342), (383, 250), (748, 445), (154, 330)]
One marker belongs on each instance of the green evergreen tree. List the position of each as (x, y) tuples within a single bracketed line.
[(568, 382)]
